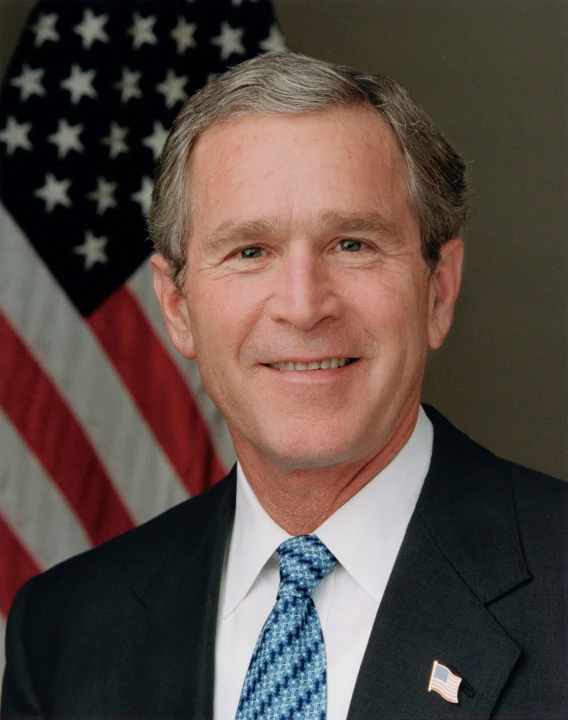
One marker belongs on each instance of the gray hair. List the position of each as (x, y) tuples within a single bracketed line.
[(289, 84)]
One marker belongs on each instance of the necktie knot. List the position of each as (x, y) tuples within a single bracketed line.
[(304, 562)]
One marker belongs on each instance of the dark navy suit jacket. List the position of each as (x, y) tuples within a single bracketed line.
[(480, 584)]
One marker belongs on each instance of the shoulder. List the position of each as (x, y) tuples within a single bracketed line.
[(67, 623), (459, 449), (98, 576), (541, 504), (539, 501), (531, 485)]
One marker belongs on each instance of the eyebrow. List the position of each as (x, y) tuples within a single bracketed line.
[(231, 233), (357, 222)]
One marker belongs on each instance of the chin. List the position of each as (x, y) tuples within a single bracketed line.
[(309, 452)]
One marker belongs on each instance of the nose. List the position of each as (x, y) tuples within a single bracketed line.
[(304, 291)]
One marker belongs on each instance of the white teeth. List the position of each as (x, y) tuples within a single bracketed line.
[(332, 363)]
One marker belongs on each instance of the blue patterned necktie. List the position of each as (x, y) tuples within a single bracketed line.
[(287, 675)]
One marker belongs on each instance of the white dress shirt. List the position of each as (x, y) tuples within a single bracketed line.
[(365, 536)]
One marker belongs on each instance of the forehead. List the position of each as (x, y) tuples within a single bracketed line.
[(342, 160), (354, 125)]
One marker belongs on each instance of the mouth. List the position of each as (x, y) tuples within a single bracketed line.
[(325, 364)]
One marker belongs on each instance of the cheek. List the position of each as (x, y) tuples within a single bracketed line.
[(393, 306), (222, 314)]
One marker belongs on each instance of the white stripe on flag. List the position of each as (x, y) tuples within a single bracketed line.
[(69, 353), (34, 506), (142, 286)]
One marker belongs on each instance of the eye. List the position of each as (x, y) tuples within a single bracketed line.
[(251, 252), (351, 245)]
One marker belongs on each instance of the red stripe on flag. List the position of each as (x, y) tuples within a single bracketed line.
[(40, 414), (16, 566), (158, 389)]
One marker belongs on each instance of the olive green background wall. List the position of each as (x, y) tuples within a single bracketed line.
[(494, 75)]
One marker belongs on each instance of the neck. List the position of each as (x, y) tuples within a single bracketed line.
[(301, 500)]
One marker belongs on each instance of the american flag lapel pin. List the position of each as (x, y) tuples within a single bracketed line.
[(444, 682)]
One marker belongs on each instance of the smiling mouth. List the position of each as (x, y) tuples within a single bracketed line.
[(327, 364)]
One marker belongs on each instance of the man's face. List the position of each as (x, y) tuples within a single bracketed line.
[(304, 249)]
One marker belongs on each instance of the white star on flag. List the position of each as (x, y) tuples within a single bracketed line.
[(16, 135), (67, 138), (103, 195), (144, 195), (274, 42), (54, 192), (141, 31), (172, 88), (44, 29), (183, 35), (91, 28), (29, 82), (116, 140), (93, 250), (128, 85), (80, 84), (229, 40), (156, 140)]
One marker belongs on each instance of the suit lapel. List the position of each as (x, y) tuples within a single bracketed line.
[(461, 552), (428, 614), (168, 659)]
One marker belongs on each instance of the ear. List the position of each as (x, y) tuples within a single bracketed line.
[(444, 288), (174, 307)]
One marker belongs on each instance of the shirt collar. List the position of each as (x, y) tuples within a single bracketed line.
[(255, 537), (365, 534)]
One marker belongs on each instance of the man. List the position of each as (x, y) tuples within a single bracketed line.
[(365, 559)]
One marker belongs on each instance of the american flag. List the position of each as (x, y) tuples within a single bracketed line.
[(444, 682), (102, 424)]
